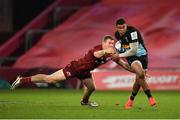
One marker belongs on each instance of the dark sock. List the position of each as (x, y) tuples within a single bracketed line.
[(85, 100), (26, 80), (148, 93), (133, 95)]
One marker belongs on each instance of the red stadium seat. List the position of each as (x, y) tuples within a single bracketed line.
[(159, 25)]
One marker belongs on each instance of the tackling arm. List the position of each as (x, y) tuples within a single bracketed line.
[(121, 62), (100, 53), (125, 65)]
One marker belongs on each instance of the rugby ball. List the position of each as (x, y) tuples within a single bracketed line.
[(118, 46)]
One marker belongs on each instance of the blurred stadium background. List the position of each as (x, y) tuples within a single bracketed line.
[(41, 36)]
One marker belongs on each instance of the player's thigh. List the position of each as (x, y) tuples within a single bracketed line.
[(58, 75), (137, 67), (89, 83)]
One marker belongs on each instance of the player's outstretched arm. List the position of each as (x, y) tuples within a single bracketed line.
[(125, 65), (100, 53)]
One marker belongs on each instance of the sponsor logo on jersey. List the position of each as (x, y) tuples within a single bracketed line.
[(134, 36), (126, 46)]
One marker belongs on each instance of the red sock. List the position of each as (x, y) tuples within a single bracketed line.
[(26, 80)]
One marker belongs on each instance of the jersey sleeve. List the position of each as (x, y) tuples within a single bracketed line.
[(97, 48)]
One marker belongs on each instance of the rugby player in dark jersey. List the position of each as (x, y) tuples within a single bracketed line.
[(80, 68), (133, 49)]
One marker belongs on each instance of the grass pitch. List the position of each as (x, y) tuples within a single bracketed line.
[(63, 104)]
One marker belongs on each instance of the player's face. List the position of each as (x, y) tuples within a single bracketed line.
[(121, 29), (109, 43)]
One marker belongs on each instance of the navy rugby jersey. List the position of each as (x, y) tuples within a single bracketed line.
[(131, 35)]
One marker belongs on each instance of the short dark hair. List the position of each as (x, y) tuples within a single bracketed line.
[(120, 21), (107, 37)]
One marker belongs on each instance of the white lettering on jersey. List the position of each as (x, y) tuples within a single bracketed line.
[(134, 35)]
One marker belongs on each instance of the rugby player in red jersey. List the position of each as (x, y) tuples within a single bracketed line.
[(81, 68)]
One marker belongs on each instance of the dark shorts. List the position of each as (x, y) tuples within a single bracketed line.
[(142, 59), (72, 70)]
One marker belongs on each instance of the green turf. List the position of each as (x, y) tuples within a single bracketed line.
[(54, 103)]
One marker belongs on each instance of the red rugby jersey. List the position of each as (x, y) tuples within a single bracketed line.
[(89, 61)]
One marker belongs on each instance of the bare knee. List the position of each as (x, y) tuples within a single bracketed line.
[(141, 75), (137, 83), (91, 88)]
